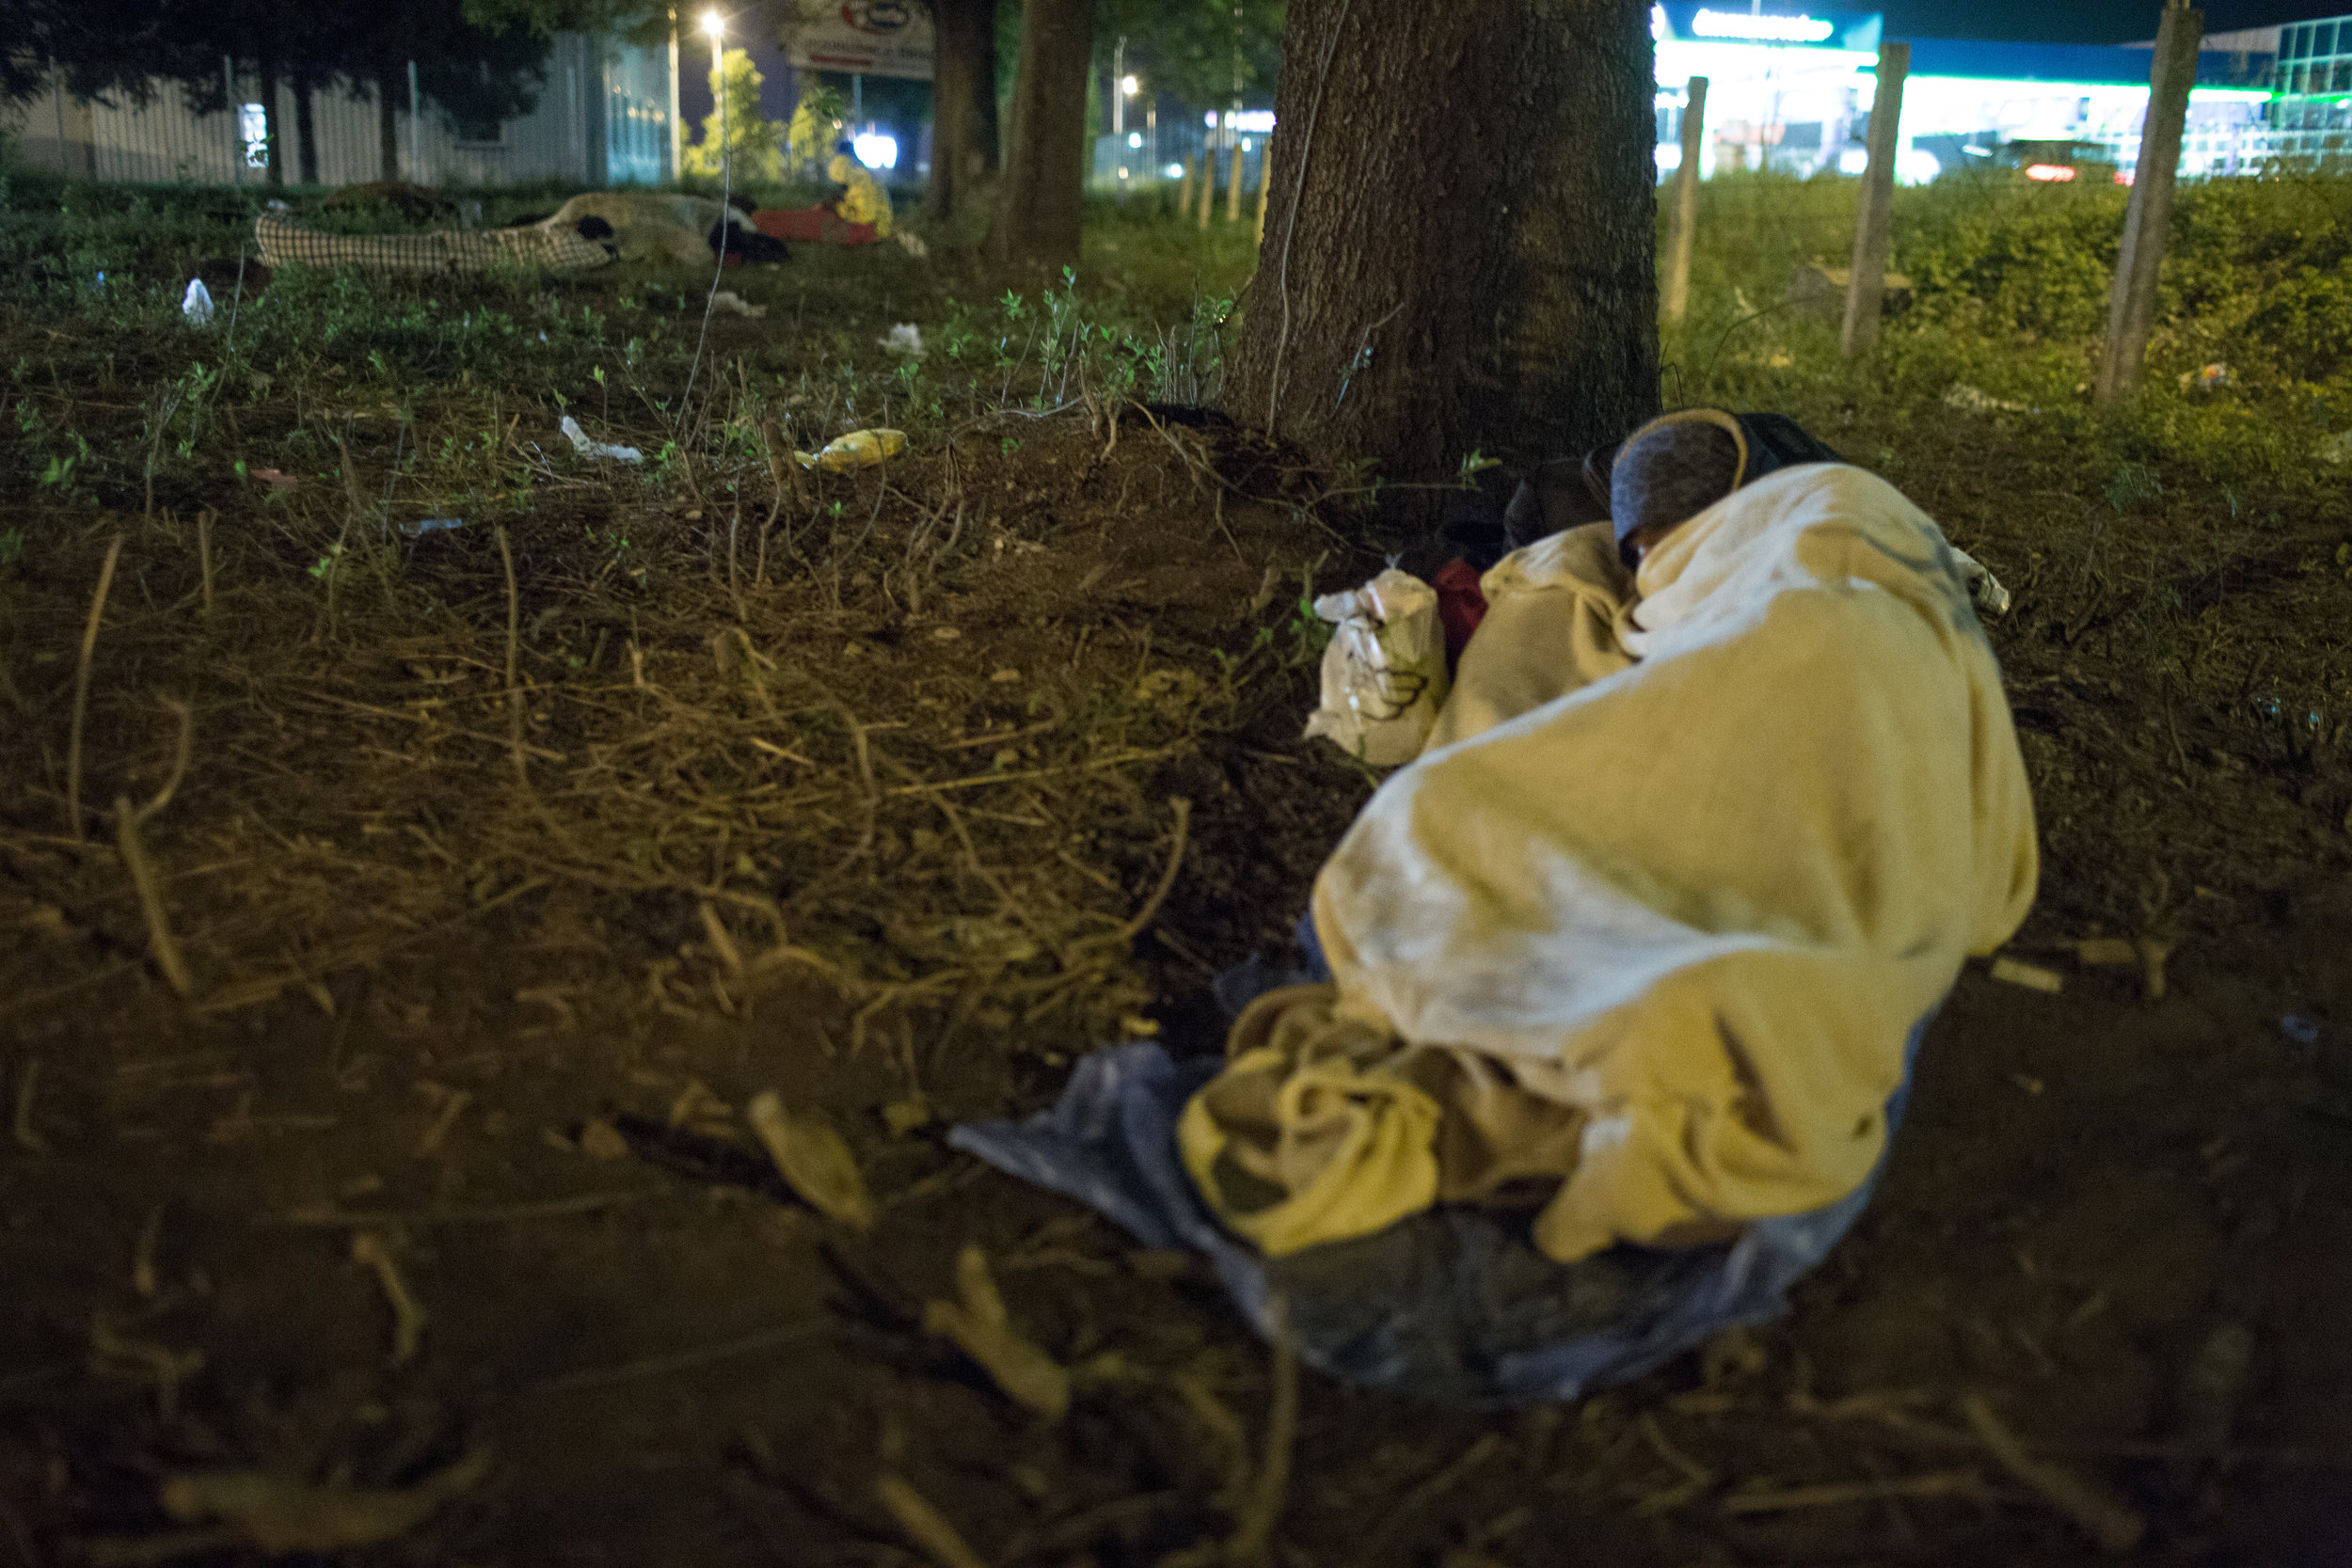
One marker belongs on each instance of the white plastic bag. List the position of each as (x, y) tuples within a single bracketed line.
[(1384, 674), (1984, 590), (586, 448), (196, 303)]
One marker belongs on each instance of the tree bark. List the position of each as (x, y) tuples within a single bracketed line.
[(987, 157), (307, 128), (1038, 204), (1459, 255), (963, 103), (388, 122), (270, 118)]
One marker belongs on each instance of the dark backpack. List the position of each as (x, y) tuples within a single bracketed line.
[(1569, 491)]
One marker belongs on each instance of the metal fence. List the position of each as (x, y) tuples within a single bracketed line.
[(1144, 157)]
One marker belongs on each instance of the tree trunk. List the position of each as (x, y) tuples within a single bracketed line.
[(985, 159), (1038, 207), (388, 122), (270, 118), (963, 94), (307, 128), (1459, 252)]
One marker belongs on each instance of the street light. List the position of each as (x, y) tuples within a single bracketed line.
[(1126, 88), (716, 26)]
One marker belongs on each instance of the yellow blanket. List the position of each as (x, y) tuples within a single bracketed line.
[(1685, 860)]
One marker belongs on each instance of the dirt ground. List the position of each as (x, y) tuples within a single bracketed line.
[(503, 888)]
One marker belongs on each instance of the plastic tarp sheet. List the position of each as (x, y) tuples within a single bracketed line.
[(1454, 1305)]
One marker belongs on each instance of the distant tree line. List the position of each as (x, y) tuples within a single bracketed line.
[(1202, 52), (481, 61)]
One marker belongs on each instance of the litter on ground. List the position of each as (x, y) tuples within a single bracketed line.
[(2015, 971), (1384, 674), (1968, 400), (281, 1516), (586, 448), (859, 449), (812, 1158)]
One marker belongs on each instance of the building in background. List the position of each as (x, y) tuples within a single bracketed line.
[(603, 117), (1970, 100), (2312, 112), (1789, 89)]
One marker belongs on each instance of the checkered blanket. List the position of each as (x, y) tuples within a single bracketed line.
[(283, 241)]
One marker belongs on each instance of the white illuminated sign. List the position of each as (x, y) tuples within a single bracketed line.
[(1247, 119), (1764, 29)]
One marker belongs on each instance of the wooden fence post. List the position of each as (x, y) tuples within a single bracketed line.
[(1183, 191), (1865, 289), (2132, 307), (1232, 187), (1208, 182), (1686, 218)]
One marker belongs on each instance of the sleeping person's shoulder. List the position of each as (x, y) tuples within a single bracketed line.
[(1580, 560)]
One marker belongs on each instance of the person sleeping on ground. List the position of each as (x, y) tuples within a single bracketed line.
[(1725, 792), (856, 212), (642, 226)]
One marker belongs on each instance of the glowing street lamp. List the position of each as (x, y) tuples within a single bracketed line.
[(1129, 85), (1126, 88), (716, 26)]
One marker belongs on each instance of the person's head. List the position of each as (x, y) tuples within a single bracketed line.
[(1668, 472)]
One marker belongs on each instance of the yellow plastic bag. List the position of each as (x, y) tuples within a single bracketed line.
[(860, 449)]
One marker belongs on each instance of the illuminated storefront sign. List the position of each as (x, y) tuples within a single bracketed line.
[(1775, 26), (1762, 30), (1790, 89)]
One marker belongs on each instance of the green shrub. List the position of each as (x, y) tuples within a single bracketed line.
[(2036, 266), (2306, 321)]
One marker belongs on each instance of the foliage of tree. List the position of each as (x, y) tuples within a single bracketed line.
[(631, 21), (816, 122), (734, 131), (105, 47), (1203, 52)]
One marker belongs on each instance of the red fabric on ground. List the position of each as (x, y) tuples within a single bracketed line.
[(1461, 605), (815, 225)]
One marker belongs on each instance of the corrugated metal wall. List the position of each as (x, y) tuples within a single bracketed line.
[(636, 111), (602, 114)]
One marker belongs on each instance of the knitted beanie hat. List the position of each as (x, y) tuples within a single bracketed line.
[(1675, 468)]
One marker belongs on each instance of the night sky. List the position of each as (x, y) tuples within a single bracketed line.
[(2077, 20)]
